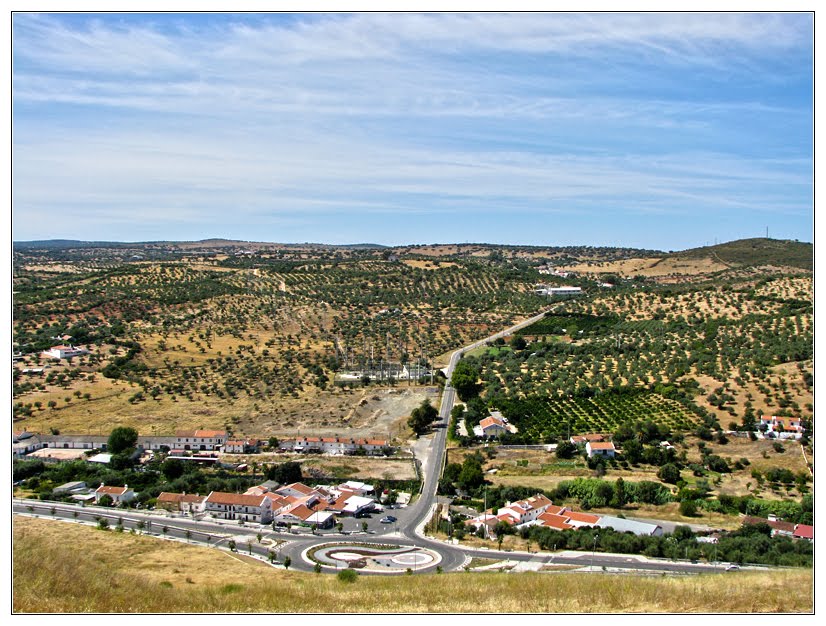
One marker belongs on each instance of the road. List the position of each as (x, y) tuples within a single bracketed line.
[(408, 530)]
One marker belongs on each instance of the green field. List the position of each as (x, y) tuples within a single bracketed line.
[(540, 419)]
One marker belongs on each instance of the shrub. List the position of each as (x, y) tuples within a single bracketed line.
[(348, 575), (688, 508)]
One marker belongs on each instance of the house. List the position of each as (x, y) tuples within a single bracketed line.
[(200, 439), (335, 445), (185, 503), (494, 425), (232, 506), (242, 446), (560, 292), (781, 426), (119, 495), (64, 352), (600, 448), (524, 511), (782, 528)]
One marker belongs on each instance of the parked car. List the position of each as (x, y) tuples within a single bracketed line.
[(388, 519)]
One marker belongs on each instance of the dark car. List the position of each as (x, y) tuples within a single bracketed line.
[(388, 519)]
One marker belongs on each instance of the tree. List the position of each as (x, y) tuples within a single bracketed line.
[(565, 450), (620, 497), (287, 562), (669, 473), (172, 469), (465, 380), (121, 439), (422, 417), (285, 473), (106, 500), (471, 475), (519, 343)]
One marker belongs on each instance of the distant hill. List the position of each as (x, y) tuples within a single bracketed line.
[(57, 244), (755, 252)]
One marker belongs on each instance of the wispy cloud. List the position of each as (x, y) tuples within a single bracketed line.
[(363, 114)]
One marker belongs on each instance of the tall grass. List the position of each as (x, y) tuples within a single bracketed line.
[(61, 568)]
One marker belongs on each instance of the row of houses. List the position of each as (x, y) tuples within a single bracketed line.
[(295, 503), (782, 528), (540, 511), (335, 445), (188, 441)]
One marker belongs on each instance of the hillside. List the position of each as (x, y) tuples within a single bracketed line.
[(128, 574), (755, 252)]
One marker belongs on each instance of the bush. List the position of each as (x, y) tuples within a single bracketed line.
[(348, 575), (688, 508), (669, 473)]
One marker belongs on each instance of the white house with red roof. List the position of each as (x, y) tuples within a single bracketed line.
[(601, 448), (119, 495), (238, 506), (495, 425), (524, 511), (182, 502), (200, 439), (781, 426)]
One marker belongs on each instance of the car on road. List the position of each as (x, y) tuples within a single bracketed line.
[(389, 519), (732, 568)]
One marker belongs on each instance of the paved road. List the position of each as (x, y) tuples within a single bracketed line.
[(208, 533)]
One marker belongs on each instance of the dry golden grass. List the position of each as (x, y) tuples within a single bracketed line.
[(651, 267), (121, 573)]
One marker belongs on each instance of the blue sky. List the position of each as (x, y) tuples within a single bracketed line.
[(659, 130)]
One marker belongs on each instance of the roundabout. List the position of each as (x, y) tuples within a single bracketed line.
[(372, 558)]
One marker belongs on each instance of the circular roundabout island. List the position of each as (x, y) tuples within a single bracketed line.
[(372, 558)]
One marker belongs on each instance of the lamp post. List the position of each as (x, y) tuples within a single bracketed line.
[(593, 552)]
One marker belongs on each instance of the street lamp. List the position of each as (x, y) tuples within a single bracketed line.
[(596, 537)]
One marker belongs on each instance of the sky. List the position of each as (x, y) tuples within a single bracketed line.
[(665, 131)]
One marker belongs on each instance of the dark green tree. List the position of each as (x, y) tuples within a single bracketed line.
[(121, 439)]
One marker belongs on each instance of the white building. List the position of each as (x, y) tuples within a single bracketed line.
[(601, 448), (119, 495), (183, 502), (200, 439), (236, 506), (64, 352)]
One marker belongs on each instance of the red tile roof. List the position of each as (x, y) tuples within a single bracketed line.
[(237, 499), (584, 518), (602, 445), (300, 487), (554, 521), (111, 491), (804, 531), (176, 498), (491, 421)]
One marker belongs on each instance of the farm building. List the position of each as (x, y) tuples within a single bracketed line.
[(600, 448)]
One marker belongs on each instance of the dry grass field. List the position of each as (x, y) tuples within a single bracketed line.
[(650, 267), (122, 573)]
